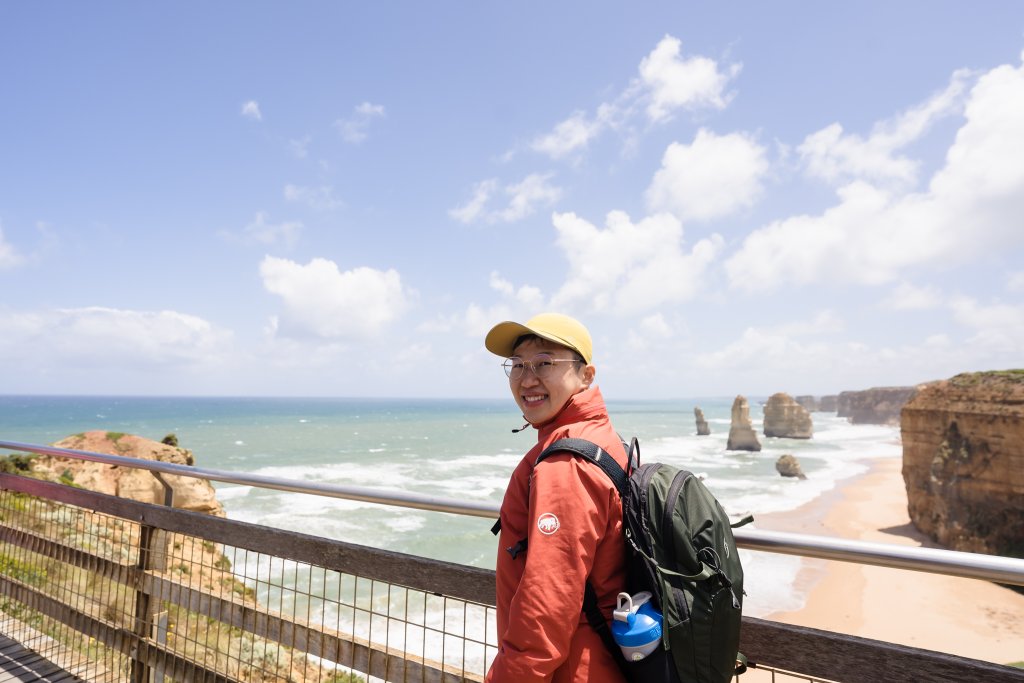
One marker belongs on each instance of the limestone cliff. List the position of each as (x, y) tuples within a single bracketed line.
[(828, 404), (963, 461), (784, 417), (810, 403), (880, 405), (742, 436), (142, 485)]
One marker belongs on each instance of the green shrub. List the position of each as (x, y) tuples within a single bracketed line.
[(16, 463)]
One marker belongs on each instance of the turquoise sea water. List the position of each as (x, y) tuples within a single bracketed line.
[(461, 449)]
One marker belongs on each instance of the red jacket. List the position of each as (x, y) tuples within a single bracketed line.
[(571, 515)]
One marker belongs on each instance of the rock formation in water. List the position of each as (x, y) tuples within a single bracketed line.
[(189, 493), (809, 403), (702, 424), (963, 461), (828, 404), (878, 406), (784, 417), (788, 466), (742, 436)]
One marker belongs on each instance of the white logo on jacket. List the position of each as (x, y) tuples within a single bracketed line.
[(548, 523)]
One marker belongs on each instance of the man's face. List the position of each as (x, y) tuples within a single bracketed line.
[(541, 398)]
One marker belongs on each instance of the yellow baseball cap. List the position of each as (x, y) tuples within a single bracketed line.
[(555, 327)]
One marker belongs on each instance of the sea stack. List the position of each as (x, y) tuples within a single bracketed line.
[(702, 424), (963, 461), (742, 436), (784, 417)]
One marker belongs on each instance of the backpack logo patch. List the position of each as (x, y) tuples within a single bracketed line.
[(548, 523)]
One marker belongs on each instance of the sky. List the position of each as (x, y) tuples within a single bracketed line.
[(341, 198)]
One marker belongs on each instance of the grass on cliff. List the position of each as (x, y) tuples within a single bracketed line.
[(970, 379)]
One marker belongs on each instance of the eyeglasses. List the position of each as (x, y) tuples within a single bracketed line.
[(542, 365)]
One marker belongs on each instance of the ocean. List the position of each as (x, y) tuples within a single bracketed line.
[(462, 449)]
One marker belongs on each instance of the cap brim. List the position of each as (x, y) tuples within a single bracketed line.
[(501, 340)]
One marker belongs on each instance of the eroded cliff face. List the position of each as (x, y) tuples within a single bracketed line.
[(877, 406), (142, 485), (963, 461)]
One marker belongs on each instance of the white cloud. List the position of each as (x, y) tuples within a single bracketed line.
[(787, 345), (973, 204), (321, 198), (9, 256), (677, 83), (837, 157), (321, 300), (526, 296), (354, 129), (629, 267), (997, 327), (300, 147), (261, 231), (570, 135), (251, 110), (650, 330), (666, 83), (907, 297), (102, 336), (1015, 281), (524, 198), (476, 207), (715, 176)]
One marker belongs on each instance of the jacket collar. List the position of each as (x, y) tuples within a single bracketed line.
[(580, 407)]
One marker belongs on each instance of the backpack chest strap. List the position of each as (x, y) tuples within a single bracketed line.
[(595, 454)]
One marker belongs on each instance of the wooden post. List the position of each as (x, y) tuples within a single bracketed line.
[(150, 540)]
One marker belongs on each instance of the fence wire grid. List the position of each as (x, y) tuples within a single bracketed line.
[(231, 613)]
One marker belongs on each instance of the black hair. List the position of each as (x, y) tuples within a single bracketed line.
[(527, 337)]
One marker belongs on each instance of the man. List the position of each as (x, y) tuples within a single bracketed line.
[(561, 520)]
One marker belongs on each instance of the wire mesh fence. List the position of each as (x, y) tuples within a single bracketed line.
[(109, 599), (109, 589)]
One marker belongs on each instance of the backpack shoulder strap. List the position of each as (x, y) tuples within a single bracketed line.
[(595, 454)]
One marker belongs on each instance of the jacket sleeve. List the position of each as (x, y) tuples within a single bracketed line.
[(568, 516)]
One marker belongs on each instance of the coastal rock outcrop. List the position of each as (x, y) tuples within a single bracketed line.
[(963, 461), (788, 466), (828, 404), (784, 417), (189, 493), (742, 436), (877, 406), (702, 424), (810, 403)]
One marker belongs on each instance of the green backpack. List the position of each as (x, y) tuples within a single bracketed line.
[(680, 547)]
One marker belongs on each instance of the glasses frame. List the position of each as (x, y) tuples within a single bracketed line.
[(513, 373)]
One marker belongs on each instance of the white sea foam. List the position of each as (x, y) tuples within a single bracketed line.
[(464, 451)]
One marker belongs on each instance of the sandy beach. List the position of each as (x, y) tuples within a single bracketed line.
[(965, 617)]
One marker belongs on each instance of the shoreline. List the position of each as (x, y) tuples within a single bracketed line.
[(965, 617)]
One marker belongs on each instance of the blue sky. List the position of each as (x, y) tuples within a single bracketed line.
[(340, 199)]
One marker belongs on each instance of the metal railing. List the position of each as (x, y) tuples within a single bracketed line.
[(120, 590), (949, 562)]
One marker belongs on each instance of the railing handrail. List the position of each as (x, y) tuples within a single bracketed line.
[(934, 560)]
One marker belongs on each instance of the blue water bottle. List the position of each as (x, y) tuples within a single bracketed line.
[(636, 626)]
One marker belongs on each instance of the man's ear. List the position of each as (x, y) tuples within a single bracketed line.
[(588, 375)]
